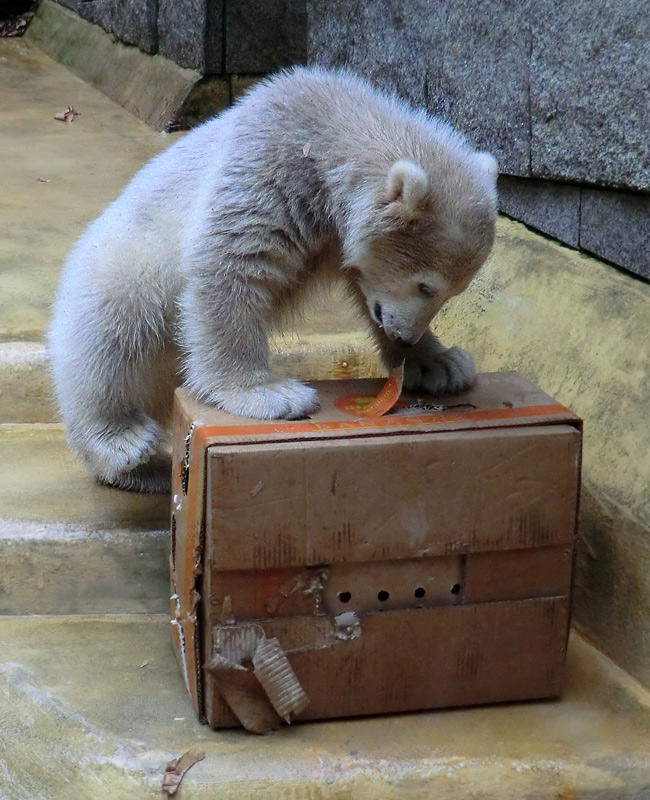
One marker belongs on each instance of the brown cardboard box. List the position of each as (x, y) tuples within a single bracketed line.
[(341, 566)]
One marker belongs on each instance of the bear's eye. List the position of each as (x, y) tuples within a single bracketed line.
[(427, 291)]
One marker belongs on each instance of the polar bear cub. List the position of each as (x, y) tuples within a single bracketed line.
[(313, 175)]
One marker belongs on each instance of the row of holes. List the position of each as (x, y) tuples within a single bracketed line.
[(383, 595)]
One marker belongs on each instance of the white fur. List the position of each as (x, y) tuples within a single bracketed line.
[(407, 187), (313, 174)]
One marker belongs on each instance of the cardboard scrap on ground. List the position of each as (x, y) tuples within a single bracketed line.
[(176, 769)]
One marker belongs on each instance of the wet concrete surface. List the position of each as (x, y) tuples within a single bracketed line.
[(100, 706)]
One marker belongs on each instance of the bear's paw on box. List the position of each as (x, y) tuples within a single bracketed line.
[(342, 566)]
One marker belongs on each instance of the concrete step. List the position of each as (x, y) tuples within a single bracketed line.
[(93, 708), (324, 344), (69, 546), (25, 384)]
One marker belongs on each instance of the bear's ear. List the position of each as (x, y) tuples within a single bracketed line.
[(407, 190), (487, 164)]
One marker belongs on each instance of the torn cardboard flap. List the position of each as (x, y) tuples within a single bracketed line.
[(235, 649), (273, 671)]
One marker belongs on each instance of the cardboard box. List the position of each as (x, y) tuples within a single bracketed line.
[(339, 566)]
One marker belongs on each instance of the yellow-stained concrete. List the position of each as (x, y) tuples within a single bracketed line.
[(25, 385), (56, 176), (55, 568), (579, 328), (42, 481), (94, 708)]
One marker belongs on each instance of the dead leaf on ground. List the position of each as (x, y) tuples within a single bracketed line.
[(176, 769), (68, 115)]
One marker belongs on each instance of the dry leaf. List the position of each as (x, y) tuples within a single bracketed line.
[(68, 115), (176, 769)]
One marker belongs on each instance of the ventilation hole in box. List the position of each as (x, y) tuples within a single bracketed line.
[(382, 596), (420, 592), (345, 597), (455, 588)]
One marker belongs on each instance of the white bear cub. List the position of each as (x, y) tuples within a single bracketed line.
[(314, 173)]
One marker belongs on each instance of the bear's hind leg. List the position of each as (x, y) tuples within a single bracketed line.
[(109, 364)]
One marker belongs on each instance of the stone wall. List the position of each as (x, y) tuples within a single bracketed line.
[(557, 91), (215, 37)]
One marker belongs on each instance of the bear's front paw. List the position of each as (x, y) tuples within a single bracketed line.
[(449, 371), (281, 399)]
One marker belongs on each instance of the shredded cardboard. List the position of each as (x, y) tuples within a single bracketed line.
[(176, 769), (348, 625), (309, 583), (236, 647), (273, 671)]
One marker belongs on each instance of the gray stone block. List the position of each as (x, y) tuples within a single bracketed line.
[(466, 62), (262, 37), (616, 226), (190, 32), (134, 22), (553, 208), (378, 40), (590, 104), (554, 90), (477, 67)]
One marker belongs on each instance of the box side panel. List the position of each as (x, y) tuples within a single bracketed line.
[(186, 561), (518, 574), (383, 498), (422, 659), (180, 426)]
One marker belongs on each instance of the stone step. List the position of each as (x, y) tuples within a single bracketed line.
[(63, 569), (68, 545), (94, 708), (324, 345), (25, 383)]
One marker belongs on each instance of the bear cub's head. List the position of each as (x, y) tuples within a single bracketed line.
[(419, 237)]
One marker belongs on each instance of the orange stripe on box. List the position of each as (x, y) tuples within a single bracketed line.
[(203, 434)]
